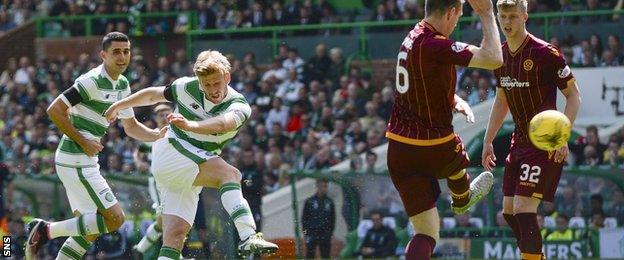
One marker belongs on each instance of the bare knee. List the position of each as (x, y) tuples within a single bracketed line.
[(427, 223), (159, 222), (176, 234), (523, 204), (114, 218), (92, 238), (508, 205), (231, 175)]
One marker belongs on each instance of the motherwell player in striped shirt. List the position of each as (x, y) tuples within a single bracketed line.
[(528, 81), (422, 146)]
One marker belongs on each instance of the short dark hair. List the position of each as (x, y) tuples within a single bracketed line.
[(439, 6), (597, 197), (113, 37), (322, 180)]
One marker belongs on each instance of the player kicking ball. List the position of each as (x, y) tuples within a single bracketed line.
[(422, 145), (208, 114), (532, 72)]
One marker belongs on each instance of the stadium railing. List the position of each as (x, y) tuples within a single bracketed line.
[(137, 21), (362, 32)]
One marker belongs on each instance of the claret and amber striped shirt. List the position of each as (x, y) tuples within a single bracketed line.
[(425, 83)]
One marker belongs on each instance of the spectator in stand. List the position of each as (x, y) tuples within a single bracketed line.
[(614, 155), (336, 67), (206, 17), (591, 139), (368, 120), (597, 219), (277, 72), (568, 203), (596, 205), (562, 231), (293, 62), (380, 241), (277, 115), (317, 67), (593, 5), (613, 43), (5, 23), (289, 89)]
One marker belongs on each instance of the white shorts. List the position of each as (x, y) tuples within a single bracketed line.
[(175, 164), (86, 189)]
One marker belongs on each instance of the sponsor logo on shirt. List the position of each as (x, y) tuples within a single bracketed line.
[(509, 83)]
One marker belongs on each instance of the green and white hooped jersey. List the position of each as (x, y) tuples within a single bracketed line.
[(97, 92), (191, 103)]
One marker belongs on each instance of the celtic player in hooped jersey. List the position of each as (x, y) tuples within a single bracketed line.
[(208, 114), (78, 113)]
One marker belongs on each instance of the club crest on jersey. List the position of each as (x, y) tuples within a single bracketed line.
[(110, 96), (528, 64), (194, 105), (509, 83), (459, 46)]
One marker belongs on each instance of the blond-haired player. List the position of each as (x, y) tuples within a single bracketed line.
[(532, 72), (208, 114)]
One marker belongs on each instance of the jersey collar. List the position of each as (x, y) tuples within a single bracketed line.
[(105, 74), (524, 43)]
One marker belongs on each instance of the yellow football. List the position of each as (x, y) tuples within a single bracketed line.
[(549, 130)]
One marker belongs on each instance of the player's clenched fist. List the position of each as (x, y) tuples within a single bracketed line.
[(111, 113), (481, 6), (180, 122), (91, 147)]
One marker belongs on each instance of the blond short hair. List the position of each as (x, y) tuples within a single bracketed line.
[(503, 4), (209, 62)]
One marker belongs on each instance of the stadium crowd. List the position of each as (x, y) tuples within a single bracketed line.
[(244, 13)]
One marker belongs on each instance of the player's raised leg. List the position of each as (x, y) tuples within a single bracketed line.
[(153, 233), (87, 192), (218, 173), (75, 247), (465, 196)]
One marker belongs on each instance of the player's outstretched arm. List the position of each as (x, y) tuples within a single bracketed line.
[(58, 113), (139, 131), (573, 100), (220, 124), (573, 103), (144, 97), (489, 55), (462, 106), (497, 115)]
